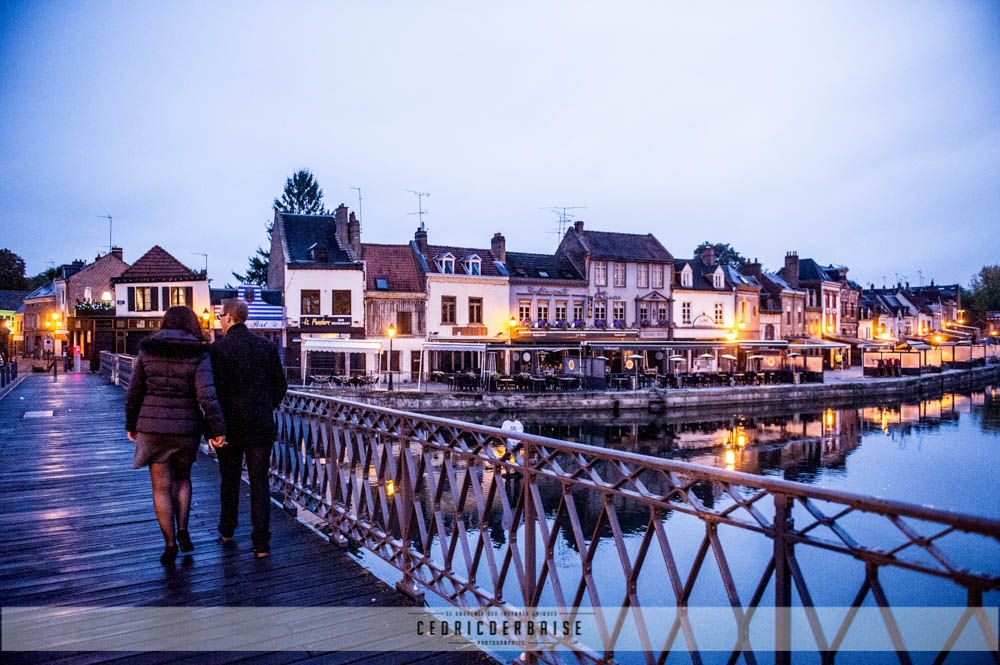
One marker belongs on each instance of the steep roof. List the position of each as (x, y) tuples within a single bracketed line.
[(489, 266), (107, 258), (393, 267), (624, 246), (810, 271), (44, 291), (701, 276), (300, 233), (157, 265), (11, 300), (554, 267)]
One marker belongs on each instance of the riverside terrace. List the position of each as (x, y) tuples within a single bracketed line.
[(482, 518)]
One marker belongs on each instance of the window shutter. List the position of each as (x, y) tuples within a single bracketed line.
[(189, 296), (166, 296), (131, 298), (154, 299)]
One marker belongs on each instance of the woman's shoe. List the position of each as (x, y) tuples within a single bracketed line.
[(184, 541), (169, 554)]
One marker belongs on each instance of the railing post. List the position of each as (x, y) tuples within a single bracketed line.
[(408, 585), (530, 518), (782, 581)]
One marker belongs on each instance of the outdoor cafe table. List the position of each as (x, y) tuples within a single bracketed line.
[(538, 383)]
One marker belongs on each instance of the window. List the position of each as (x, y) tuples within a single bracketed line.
[(475, 310), (88, 293), (642, 275), (686, 313), (619, 273), (404, 323), (342, 303), (578, 310), (143, 299), (310, 302), (445, 263), (600, 311), (560, 310), (524, 310), (717, 280), (600, 273), (686, 276), (643, 312), (472, 265), (543, 310), (177, 296), (656, 274), (382, 284), (788, 315), (448, 309), (662, 313), (718, 313), (543, 273), (618, 309)]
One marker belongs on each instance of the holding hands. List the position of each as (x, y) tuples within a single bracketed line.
[(217, 442)]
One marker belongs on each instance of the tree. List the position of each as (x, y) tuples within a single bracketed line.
[(12, 275), (43, 278), (301, 196), (984, 293), (724, 254)]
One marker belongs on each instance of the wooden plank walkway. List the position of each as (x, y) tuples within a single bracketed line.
[(78, 528)]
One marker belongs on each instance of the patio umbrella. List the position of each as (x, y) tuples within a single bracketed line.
[(727, 356), (676, 358), (706, 355)]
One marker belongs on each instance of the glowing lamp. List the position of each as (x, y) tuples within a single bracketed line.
[(512, 323), (742, 325), (731, 335), (937, 339), (829, 418), (390, 488)]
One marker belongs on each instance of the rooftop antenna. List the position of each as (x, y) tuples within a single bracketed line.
[(564, 218), (420, 206), (206, 259), (108, 217), (920, 273), (360, 216), (883, 281)]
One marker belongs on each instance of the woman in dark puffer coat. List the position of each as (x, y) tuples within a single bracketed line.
[(169, 404)]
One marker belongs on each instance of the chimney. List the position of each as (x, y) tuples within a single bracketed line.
[(578, 225), (341, 220), (499, 247), (708, 255), (117, 252), (752, 269), (792, 269), (354, 236), (420, 238)]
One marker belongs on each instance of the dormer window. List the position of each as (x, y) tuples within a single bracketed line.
[(472, 265), (542, 273), (686, 276), (717, 279), (445, 263), (318, 253)]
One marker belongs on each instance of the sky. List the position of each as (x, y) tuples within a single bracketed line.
[(858, 133)]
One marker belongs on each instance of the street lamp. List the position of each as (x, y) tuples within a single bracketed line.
[(391, 332)]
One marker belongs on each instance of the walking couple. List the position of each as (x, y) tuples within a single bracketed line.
[(183, 387)]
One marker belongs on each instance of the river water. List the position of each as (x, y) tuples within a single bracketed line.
[(943, 452)]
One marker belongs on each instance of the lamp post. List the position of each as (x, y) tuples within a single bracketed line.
[(391, 332), (55, 361)]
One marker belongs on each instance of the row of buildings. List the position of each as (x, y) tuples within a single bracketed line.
[(333, 296)]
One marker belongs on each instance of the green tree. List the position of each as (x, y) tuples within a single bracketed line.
[(983, 294), (303, 196), (724, 254), (12, 275), (43, 278)]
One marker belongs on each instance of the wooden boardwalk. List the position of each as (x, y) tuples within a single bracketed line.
[(78, 528)]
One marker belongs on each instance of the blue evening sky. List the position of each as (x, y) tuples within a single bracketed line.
[(863, 133)]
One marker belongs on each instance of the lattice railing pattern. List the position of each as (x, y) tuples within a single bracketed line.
[(491, 519)]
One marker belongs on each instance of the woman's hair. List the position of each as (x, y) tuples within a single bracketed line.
[(183, 318)]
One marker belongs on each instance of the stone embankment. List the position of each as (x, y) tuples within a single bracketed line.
[(658, 400)]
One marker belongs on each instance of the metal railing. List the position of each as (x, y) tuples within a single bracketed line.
[(491, 519), (117, 368)]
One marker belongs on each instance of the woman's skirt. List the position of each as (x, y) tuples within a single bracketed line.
[(161, 448)]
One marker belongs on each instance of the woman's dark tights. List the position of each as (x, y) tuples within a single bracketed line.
[(171, 496)]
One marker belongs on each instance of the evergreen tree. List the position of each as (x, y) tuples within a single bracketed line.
[(12, 271), (303, 196)]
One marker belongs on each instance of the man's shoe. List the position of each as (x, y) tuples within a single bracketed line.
[(226, 537), (261, 552)]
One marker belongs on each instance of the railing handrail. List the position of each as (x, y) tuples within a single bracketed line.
[(866, 503)]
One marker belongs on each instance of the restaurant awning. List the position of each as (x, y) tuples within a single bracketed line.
[(341, 345), (818, 345), (454, 346)]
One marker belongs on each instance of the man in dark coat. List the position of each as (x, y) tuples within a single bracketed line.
[(250, 384)]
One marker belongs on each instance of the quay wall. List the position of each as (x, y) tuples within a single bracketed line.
[(690, 398)]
